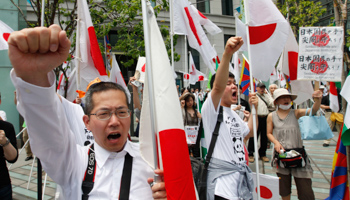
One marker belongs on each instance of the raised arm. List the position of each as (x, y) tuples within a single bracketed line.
[(36, 51), (221, 77), (317, 95)]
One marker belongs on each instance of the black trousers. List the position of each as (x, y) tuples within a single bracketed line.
[(219, 198), (263, 140)]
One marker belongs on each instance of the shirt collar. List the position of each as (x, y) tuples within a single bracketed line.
[(102, 154)]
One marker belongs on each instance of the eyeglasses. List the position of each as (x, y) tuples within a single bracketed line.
[(106, 114)]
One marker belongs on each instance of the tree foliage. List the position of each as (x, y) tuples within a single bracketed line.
[(124, 17), (301, 13)]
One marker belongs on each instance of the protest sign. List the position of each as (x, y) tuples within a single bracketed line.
[(320, 53)]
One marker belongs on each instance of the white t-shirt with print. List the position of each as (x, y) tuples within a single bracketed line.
[(229, 145)]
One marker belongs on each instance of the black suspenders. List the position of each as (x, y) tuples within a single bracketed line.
[(89, 178)]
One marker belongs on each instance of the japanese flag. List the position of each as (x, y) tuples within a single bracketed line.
[(169, 131), (5, 32), (187, 22), (268, 33), (140, 69), (91, 60), (269, 187), (117, 77), (289, 66)]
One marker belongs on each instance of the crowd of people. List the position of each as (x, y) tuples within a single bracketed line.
[(105, 164)]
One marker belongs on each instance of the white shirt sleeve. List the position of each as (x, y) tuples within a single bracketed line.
[(50, 136)]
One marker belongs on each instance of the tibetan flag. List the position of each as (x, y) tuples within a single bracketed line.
[(92, 64), (268, 33), (339, 182), (245, 77), (117, 76), (5, 32), (171, 143)]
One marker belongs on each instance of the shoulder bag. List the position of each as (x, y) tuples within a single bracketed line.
[(314, 127)]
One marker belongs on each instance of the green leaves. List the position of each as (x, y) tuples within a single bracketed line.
[(301, 13)]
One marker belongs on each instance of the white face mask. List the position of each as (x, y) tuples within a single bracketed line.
[(285, 107)]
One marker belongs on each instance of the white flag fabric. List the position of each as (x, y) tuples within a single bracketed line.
[(72, 85), (269, 187), (268, 33), (92, 64), (187, 22), (289, 67), (273, 77), (5, 32), (195, 75), (303, 89), (345, 93), (235, 70), (140, 68), (290, 56), (241, 31), (169, 128), (117, 77), (211, 28)]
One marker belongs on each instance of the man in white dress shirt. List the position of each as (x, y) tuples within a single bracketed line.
[(34, 53)]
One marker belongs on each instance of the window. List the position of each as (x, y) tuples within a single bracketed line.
[(203, 6), (227, 7), (226, 37)]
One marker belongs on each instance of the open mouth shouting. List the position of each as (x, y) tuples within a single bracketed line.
[(234, 95), (113, 136)]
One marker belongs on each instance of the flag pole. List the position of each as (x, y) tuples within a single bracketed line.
[(42, 12), (77, 48), (105, 45), (186, 60), (150, 85), (172, 34), (246, 10)]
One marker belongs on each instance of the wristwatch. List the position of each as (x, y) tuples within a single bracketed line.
[(6, 143)]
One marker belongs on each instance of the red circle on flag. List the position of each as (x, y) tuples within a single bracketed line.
[(264, 192), (320, 39), (200, 78), (186, 76), (319, 67), (143, 69), (6, 36)]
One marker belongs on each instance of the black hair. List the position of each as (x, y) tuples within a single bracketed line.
[(230, 75), (100, 87)]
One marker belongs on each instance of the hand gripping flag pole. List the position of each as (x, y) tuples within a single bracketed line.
[(246, 11)]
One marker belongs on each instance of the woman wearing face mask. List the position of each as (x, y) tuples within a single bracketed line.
[(283, 130)]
